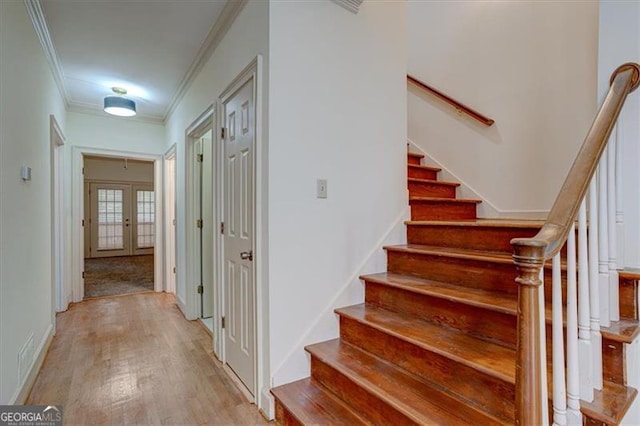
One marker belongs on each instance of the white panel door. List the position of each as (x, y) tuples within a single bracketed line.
[(110, 219), (197, 192), (239, 116)]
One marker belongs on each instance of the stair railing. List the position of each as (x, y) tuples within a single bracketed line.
[(459, 106), (592, 300)]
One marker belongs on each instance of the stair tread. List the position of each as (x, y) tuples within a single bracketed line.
[(489, 223), (415, 154), (497, 301), (433, 182), (492, 359), (625, 330), (422, 167), (443, 200), (456, 252), (310, 403), (610, 404), (415, 398)]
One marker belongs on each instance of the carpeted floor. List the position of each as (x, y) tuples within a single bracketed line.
[(110, 276)]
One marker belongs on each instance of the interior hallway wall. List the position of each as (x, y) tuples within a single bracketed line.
[(28, 95)]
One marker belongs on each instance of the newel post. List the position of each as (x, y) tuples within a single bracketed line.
[(529, 259)]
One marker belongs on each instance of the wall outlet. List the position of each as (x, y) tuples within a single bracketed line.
[(321, 188)]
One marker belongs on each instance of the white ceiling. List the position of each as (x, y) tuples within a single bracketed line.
[(145, 46)]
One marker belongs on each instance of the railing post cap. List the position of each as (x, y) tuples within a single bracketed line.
[(635, 78)]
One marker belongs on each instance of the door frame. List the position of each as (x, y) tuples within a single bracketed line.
[(170, 229), (60, 290), (77, 211), (260, 242), (202, 124)]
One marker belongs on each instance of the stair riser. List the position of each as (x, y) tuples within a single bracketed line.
[(364, 403), (481, 322), (613, 367), (417, 173), (413, 160), (284, 417), (423, 189), (496, 396), (471, 237), (628, 298), (443, 211), (471, 273)]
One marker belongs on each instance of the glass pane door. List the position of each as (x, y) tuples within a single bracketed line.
[(145, 214), (110, 219)]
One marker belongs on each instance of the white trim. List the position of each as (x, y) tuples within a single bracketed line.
[(34, 9), (77, 208), (260, 243), (170, 277), (352, 6), (219, 29), (23, 391), (196, 129), (59, 253), (486, 209), (93, 109)]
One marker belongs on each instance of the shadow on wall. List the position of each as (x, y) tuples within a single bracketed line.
[(490, 133)]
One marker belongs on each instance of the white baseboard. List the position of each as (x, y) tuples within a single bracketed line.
[(486, 209), (22, 393), (268, 404), (182, 306)]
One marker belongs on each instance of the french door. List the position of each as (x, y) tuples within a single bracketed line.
[(122, 219)]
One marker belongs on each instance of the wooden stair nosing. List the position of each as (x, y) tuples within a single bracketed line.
[(480, 222), (320, 405), (422, 167), (415, 154), (630, 274), (611, 404), (436, 200), (433, 182), (398, 390)]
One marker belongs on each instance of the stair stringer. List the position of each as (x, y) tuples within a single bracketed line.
[(326, 326), (486, 209)]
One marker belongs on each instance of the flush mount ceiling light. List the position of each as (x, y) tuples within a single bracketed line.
[(118, 104)]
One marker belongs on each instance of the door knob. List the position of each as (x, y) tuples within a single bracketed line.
[(246, 255)]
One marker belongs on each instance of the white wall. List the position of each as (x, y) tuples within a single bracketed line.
[(337, 111), (28, 95), (115, 133), (619, 42), (531, 66)]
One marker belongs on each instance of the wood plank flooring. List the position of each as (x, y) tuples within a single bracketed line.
[(136, 360)]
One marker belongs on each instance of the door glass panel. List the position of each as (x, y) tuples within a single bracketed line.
[(145, 207), (110, 220)]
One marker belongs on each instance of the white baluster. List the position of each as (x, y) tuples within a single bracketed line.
[(584, 312), (543, 352), (614, 306), (619, 208), (559, 384), (603, 246), (574, 417), (594, 291)]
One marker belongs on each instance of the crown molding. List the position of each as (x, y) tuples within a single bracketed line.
[(351, 5), (90, 109), (34, 9), (228, 15)]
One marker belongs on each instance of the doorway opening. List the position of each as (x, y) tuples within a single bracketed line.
[(170, 208), (119, 226), (200, 222)]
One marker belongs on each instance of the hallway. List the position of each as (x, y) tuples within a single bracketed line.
[(136, 360)]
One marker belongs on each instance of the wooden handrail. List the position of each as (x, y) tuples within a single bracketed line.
[(459, 106), (529, 254)]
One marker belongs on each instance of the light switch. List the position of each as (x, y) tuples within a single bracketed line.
[(322, 188), (25, 173)]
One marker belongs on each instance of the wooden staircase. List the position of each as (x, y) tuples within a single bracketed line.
[(434, 342)]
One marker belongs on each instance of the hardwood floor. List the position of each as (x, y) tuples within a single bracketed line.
[(136, 360)]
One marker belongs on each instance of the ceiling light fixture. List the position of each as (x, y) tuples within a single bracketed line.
[(118, 104)]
